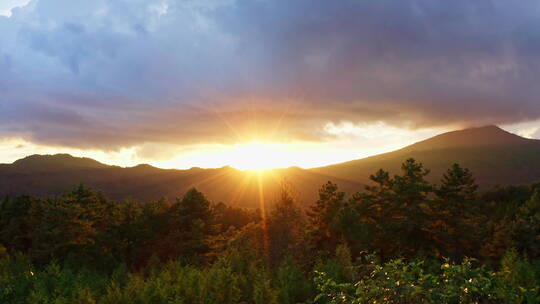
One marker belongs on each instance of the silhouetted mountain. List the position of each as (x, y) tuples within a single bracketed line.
[(493, 155), (474, 137), (56, 161), (50, 175)]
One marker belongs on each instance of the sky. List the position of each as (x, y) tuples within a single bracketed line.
[(260, 83)]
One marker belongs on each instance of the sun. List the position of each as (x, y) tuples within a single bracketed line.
[(259, 156)]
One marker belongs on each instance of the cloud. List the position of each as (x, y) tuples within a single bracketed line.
[(110, 74), (7, 5)]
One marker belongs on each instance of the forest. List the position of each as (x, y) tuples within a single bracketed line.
[(402, 239)]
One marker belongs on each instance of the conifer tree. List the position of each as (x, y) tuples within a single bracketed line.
[(286, 224), (411, 208), (325, 230), (454, 228), (189, 228), (526, 227)]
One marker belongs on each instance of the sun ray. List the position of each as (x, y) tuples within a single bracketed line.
[(207, 179), (228, 124), (262, 206), (271, 174), (241, 189), (280, 121)]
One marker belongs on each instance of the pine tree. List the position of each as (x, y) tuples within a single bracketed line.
[(16, 223), (286, 224), (324, 229), (456, 212), (411, 208), (189, 228), (458, 186), (395, 212), (526, 227)]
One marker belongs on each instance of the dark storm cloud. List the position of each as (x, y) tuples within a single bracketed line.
[(108, 74)]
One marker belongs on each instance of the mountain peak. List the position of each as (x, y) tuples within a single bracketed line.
[(144, 167), (57, 161), (472, 137)]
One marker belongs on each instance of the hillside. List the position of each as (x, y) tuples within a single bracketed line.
[(50, 175), (495, 156)]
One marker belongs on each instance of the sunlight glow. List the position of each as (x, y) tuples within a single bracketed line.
[(527, 129), (257, 156), (344, 141)]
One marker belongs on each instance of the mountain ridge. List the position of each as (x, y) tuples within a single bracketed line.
[(38, 175), (60, 160), (478, 136), (493, 155)]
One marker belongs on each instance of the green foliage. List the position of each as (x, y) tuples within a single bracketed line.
[(21, 283), (291, 284), (285, 228), (457, 186), (190, 225), (17, 222), (520, 277), (526, 227), (178, 284), (402, 240), (15, 278), (172, 282), (457, 215), (396, 213), (325, 228), (398, 281)]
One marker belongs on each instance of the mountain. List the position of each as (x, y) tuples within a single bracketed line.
[(57, 161), (51, 175), (495, 156)]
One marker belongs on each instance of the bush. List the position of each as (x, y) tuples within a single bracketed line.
[(399, 281)]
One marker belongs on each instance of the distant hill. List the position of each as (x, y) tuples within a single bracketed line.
[(51, 175), (57, 161), (495, 156)]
